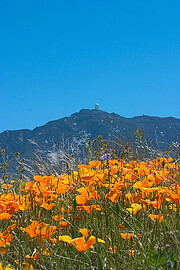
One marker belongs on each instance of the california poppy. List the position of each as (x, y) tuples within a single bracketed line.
[(79, 243), (126, 235), (156, 217)]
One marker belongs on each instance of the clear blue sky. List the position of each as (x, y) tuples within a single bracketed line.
[(58, 57)]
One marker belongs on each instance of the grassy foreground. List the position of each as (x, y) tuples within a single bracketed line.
[(107, 215)]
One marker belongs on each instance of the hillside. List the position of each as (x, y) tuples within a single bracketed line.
[(88, 124)]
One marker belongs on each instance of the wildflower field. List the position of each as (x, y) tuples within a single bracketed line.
[(108, 214)]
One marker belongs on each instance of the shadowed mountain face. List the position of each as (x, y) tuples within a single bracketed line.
[(87, 125)]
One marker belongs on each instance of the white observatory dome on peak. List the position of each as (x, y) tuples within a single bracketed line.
[(96, 106)]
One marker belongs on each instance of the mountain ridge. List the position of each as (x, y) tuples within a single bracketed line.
[(88, 124), (137, 116)]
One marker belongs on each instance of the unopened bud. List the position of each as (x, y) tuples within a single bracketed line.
[(7, 245), (16, 154)]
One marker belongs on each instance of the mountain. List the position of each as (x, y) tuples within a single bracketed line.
[(88, 124)]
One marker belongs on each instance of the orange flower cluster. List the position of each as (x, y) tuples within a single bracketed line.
[(5, 239), (139, 186), (41, 229), (145, 184)]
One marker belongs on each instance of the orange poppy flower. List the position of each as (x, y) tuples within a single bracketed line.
[(63, 224), (7, 267), (47, 252), (84, 197), (121, 227), (27, 186), (5, 216), (45, 231), (136, 197), (58, 218), (151, 178), (86, 178), (131, 252), (34, 257), (7, 186), (158, 202), (82, 166), (156, 217), (7, 231), (114, 170), (135, 207), (173, 197), (87, 194), (114, 195), (82, 246), (95, 164), (112, 249), (146, 202), (131, 176), (12, 207), (65, 238), (27, 266), (89, 208), (143, 184), (148, 190), (5, 239), (25, 203), (32, 228), (79, 243), (62, 188), (85, 232), (48, 206), (126, 235)]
